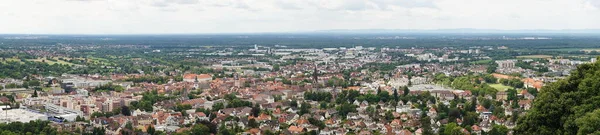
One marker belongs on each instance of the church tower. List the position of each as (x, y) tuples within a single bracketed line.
[(315, 74)]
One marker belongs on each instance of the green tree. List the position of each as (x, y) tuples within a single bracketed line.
[(346, 108), (498, 130), (304, 108), (426, 125), (560, 104), (35, 94), (255, 110), (396, 97), (452, 129), (588, 124), (152, 131), (252, 123)]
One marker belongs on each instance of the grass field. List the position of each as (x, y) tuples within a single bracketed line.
[(500, 87), (534, 56), (12, 59), (51, 62)]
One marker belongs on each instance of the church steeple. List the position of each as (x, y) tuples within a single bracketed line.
[(315, 75)]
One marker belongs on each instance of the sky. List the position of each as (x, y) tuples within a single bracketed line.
[(258, 16)]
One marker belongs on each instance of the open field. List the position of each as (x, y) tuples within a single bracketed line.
[(56, 61), (535, 56), (500, 87), (481, 62), (11, 60)]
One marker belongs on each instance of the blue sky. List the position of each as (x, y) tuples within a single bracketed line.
[(233, 16)]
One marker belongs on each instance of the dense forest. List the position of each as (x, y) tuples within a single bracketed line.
[(570, 106)]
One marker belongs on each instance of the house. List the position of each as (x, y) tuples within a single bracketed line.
[(200, 116), (352, 116), (432, 112), (295, 129), (502, 95), (405, 132), (476, 129), (396, 123), (443, 94), (467, 94), (525, 104), (480, 109), (527, 95), (326, 131)]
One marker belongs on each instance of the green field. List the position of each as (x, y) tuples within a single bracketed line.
[(51, 62), (11, 60), (500, 87), (534, 56)]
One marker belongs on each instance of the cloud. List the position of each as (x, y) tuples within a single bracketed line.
[(166, 3), (385, 4), (595, 3), (216, 16)]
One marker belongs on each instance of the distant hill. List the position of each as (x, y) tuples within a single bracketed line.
[(464, 30)]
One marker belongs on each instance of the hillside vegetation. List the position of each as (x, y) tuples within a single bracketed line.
[(570, 106)]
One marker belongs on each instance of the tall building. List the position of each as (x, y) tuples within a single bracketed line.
[(505, 63)]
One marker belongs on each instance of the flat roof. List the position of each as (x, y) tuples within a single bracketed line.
[(20, 115)]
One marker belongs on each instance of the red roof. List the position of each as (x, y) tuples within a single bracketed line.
[(194, 76)]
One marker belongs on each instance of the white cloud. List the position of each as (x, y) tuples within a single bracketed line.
[(216, 16)]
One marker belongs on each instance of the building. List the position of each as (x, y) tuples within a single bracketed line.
[(61, 110), (198, 77), (19, 115), (502, 64)]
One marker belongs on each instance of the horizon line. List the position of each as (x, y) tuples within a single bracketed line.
[(364, 31)]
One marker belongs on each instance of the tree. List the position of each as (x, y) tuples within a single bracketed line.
[(346, 108), (125, 111), (406, 91), (218, 106), (453, 114), (223, 130), (35, 94), (498, 130), (293, 103), (276, 67), (323, 105), (252, 123), (532, 91), (304, 108), (512, 94), (152, 131), (316, 122), (588, 124), (200, 129), (426, 125), (255, 110), (560, 104), (396, 94), (78, 118), (98, 131), (452, 129)]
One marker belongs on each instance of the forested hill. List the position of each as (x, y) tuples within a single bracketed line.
[(570, 106)]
